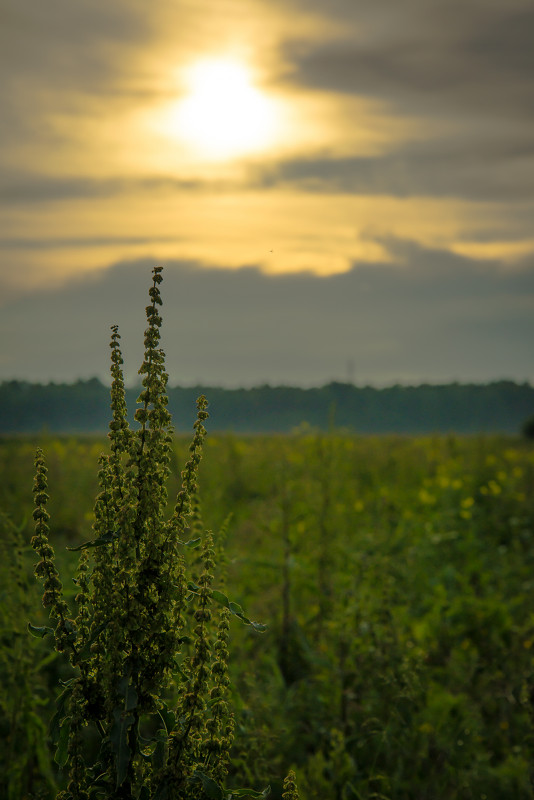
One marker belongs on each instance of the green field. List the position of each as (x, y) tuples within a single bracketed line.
[(396, 578)]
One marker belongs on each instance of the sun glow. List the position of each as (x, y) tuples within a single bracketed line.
[(223, 114)]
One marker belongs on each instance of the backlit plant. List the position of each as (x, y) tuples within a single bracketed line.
[(145, 713)]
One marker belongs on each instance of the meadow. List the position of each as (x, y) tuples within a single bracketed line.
[(396, 579), (314, 616)]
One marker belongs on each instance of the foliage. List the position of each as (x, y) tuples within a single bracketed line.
[(144, 711), (25, 761), (464, 408), (410, 677), (397, 576), (527, 429)]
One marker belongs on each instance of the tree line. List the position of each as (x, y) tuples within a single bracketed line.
[(82, 407)]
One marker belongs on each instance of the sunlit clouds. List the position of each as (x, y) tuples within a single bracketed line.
[(291, 137), (223, 114), (282, 231)]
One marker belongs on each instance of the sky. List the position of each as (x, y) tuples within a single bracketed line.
[(336, 191)]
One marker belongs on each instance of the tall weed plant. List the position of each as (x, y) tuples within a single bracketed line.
[(144, 713)]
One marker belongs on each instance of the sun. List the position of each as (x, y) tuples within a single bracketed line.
[(223, 114)]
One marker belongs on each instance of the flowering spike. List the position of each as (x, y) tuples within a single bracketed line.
[(291, 791), (221, 725), (46, 568)]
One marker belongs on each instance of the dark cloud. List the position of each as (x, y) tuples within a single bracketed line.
[(438, 168), (23, 188), (464, 70), (18, 187), (56, 243), (432, 316), (469, 57)]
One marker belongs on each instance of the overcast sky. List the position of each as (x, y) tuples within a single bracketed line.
[(362, 209)]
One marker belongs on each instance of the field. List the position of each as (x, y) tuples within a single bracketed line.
[(395, 577)]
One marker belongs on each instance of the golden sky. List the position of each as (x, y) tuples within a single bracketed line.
[(292, 137)]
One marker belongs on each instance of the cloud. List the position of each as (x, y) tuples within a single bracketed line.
[(432, 316), (52, 243), (20, 188), (461, 72), (437, 94), (69, 43), (437, 168), (470, 57), (54, 56)]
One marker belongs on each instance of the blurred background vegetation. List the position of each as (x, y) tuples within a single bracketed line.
[(396, 575), (82, 407)]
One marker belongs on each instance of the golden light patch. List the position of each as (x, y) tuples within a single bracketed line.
[(223, 114), (280, 231)]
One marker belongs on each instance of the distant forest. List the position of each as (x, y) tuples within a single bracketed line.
[(83, 407)]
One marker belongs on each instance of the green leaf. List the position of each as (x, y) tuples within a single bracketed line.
[(168, 718), (119, 743), (160, 751), (192, 543), (130, 698), (210, 787), (250, 792), (259, 626), (39, 632), (102, 540), (100, 786), (61, 754), (68, 682), (55, 722), (236, 609)]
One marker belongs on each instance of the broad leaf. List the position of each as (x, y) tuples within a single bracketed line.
[(55, 723), (236, 609), (130, 698), (62, 755), (119, 742), (39, 632), (210, 787), (168, 718), (192, 543)]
